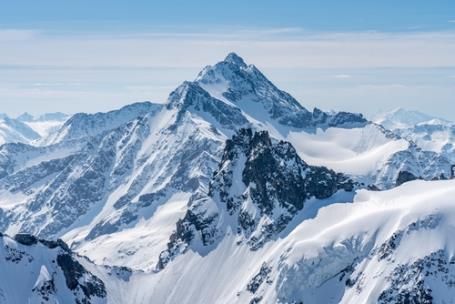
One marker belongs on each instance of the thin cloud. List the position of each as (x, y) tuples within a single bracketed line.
[(342, 76), (69, 72), (270, 48)]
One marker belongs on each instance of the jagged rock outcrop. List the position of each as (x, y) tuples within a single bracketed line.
[(261, 185), (43, 271)]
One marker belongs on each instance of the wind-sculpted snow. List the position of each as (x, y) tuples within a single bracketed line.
[(371, 155), (376, 257)]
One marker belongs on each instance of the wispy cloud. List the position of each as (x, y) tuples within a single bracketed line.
[(342, 76), (452, 21), (279, 48)]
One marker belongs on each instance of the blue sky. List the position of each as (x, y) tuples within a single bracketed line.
[(327, 15), (364, 56)]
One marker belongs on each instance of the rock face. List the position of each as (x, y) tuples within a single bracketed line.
[(410, 283), (39, 271), (191, 97), (80, 280), (410, 164), (261, 185)]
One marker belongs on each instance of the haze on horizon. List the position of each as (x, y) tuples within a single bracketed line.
[(88, 57)]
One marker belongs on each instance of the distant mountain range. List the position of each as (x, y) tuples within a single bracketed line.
[(28, 129), (428, 132), (230, 192)]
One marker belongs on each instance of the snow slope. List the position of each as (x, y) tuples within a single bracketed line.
[(357, 151), (365, 250)]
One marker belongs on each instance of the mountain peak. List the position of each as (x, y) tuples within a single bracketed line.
[(235, 59), (235, 82), (55, 116), (401, 118), (25, 117), (243, 86)]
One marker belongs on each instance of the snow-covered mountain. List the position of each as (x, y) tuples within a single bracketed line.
[(257, 190), (84, 125), (12, 130), (341, 250), (45, 125), (362, 248), (233, 182), (400, 118), (28, 129), (428, 132)]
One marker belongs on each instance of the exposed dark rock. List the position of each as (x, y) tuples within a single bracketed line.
[(277, 178), (255, 300), (190, 94), (196, 222), (409, 282), (405, 176), (51, 244), (259, 278), (78, 278), (272, 179), (45, 290), (387, 248), (26, 239), (122, 272), (16, 256)]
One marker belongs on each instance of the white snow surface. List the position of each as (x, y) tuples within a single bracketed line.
[(137, 247), (358, 151)]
